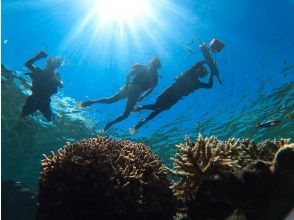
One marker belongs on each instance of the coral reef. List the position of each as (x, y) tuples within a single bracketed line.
[(261, 190), (18, 202), (208, 160), (197, 160), (102, 178)]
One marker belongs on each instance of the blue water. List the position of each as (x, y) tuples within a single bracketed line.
[(256, 65)]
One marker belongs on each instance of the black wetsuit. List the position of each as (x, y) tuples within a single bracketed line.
[(185, 84), (44, 85)]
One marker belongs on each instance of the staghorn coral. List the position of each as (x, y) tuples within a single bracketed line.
[(262, 190), (207, 158), (105, 179), (196, 160)]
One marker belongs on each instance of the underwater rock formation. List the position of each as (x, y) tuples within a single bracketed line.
[(102, 178), (18, 202), (208, 160)]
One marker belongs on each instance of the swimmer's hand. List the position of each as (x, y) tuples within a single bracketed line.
[(84, 104), (42, 54)]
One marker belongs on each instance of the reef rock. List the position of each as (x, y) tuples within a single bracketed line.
[(102, 178)]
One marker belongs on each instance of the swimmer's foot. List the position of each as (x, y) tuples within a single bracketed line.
[(84, 104), (133, 130), (107, 126), (137, 108)]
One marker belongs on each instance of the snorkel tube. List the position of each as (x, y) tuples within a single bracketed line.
[(209, 60)]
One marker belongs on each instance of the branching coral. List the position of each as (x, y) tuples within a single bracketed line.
[(196, 160), (105, 179), (207, 158), (262, 190)]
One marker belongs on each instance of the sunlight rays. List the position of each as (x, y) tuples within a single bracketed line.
[(112, 29)]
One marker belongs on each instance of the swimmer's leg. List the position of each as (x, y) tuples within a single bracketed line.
[(46, 109), (30, 107), (131, 101), (142, 122), (116, 97)]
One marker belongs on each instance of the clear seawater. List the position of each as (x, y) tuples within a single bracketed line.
[(256, 66)]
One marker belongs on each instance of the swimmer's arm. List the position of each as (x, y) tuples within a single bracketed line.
[(207, 85), (29, 63), (60, 84), (58, 80)]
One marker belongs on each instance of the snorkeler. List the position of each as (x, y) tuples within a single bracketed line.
[(140, 82), (45, 83), (185, 84)]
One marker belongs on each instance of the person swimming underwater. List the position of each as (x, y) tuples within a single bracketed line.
[(140, 82), (45, 83), (185, 84)]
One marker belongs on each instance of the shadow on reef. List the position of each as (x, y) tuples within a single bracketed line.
[(18, 202), (102, 178)]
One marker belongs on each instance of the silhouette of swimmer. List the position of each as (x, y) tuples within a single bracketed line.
[(185, 84), (140, 82), (268, 124), (45, 83)]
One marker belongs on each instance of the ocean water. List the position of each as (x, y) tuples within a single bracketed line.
[(256, 67)]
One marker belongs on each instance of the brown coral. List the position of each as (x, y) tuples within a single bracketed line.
[(262, 190), (196, 160), (206, 159), (105, 179)]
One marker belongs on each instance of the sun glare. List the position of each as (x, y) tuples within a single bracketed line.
[(120, 10), (122, 29)]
